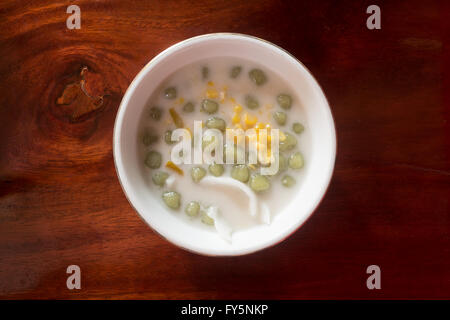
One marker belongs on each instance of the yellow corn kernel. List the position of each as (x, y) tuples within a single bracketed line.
[(249, 120), (174, 167), (180, 100), (233, 101), (236, 118), (210, 83), (259, 125), (212, 93), (237, 108)]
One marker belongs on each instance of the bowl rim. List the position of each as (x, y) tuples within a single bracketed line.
[(130, 90)]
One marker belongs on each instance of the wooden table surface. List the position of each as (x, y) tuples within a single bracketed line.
[(388, 202)]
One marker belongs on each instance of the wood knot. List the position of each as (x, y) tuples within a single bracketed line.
[(77, 99)]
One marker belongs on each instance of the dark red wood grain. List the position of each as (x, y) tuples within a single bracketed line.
[(388, 203)]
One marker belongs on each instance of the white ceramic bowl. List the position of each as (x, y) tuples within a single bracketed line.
[(319, 119)]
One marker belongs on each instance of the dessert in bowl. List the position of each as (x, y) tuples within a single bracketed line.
[(224, 144)]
